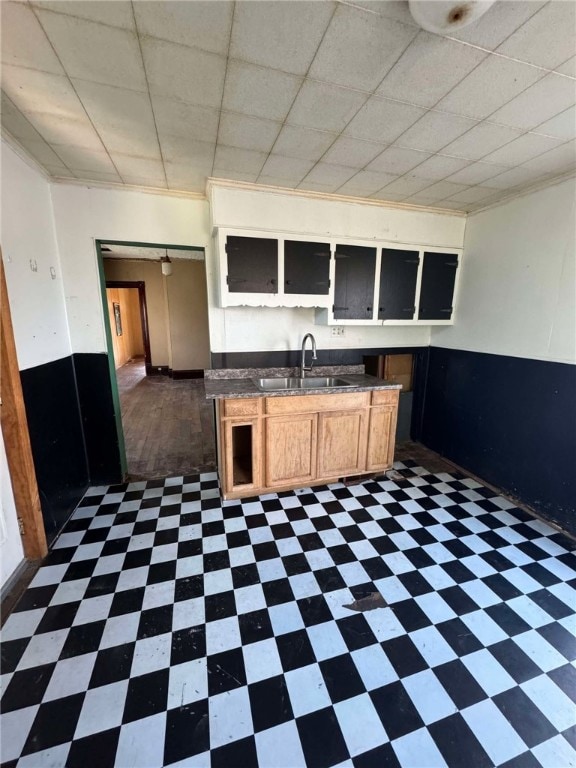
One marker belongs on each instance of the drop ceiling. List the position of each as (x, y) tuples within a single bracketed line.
[(333, 97)]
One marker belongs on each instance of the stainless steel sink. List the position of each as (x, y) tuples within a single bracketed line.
[(310, 382)]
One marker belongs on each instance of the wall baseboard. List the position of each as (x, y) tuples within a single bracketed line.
[(157, 370)]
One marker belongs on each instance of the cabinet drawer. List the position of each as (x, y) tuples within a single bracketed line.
[(313, 403), (385, 397), (242, 407)]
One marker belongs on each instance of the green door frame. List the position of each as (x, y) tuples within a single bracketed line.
[(110, 349)]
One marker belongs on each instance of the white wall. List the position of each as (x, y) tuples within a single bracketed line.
[(36, 300), (11, 552), (240, 329), (517, 292)]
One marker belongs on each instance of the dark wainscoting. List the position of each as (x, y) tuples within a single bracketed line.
[(291, 357), (511, 421), (56, 435), (98, 422)]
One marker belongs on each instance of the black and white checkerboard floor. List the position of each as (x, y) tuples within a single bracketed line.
[(170, 628)]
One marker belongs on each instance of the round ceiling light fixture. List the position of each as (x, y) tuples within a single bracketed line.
[(445, 16), (166, 264)]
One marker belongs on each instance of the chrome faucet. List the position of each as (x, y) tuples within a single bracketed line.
[(303, 366)]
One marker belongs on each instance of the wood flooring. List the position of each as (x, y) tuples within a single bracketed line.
[(168, 425)]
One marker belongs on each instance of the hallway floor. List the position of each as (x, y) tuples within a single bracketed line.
[(421, 621), (168, 424)]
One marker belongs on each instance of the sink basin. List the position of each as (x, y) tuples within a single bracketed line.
[(310, 382)]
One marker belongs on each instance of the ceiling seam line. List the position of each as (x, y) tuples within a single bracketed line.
[(223, 88)]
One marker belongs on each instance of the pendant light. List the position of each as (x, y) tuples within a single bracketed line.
[(166, 264)]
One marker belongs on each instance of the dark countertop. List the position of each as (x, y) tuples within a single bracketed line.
[(238, 386)]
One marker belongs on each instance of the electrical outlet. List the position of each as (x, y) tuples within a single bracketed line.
[(337, 330)]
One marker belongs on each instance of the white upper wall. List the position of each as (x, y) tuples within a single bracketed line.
[(86, 214), (36, 298), (517, 293)]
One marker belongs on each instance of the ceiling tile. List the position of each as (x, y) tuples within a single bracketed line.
[(498, 23), (94, 52), (81, 159), (259, 92), (202, 23), (16, 123), (443, 189), (407, 185), (421, 199), (137, 166), (557, 160), (547, 39), (326, 107), (324, 173), (476, 173), (180, 119), (123, 118), (180, 149), (438, 167), (397, 160), (64, 131), (247, 132), (493, 83), (365, 183), (286, 168), (568, 67), (281, 35), (305, 143), (359, 48), (481, 140), (354, 153), (35, 91), (23, 41), (169, 65), (43, 153), (244, 160), (543, 100), (512, 178), (520, 150), (383, 120), (563, 126), (390, 9), (473, 194), (434, 130), (428, 69), (101, 176), (115, 14), (59, 171), (186, 178)]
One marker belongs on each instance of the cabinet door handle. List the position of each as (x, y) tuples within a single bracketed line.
[(411, 261), (231, 280), (368, 309), (339, 309), (409, 309), (447, 309), (450, 263)]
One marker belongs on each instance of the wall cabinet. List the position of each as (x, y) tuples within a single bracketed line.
[(349, 283), (268, 443)]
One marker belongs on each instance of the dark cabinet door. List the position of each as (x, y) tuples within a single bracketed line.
[(252, 264), (398, 275), (437, 291), (354, 282), (306, 267)]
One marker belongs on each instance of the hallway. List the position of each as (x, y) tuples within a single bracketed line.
[(168, 425)]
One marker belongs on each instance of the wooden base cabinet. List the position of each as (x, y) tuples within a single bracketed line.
[(293, 441)]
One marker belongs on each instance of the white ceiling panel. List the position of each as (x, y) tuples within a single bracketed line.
[(562, 157), (547, 39), (180, 119), (568, 68), (258, 91), (473, 194), (543, 100), (398, 161), (323, 106), (81, 159), (185, 177), (499, 22), (512, 178), (35, 91), (180, 149), (429, 68), (44, 153), (285, 168), (397, 10), (244, 160), (365, 183), (16, 123), (63, 131), (169, 67), (123, 118), (23, 41), (95, 52), (324, 173), (306, 143), (116, 14), (563, 126), (352, 152), (443, 189), (477, 173), (359, 48), (138, 167), (406, 185), (439, 167), (434, 130), (520, 150), (280, 35), (493, 83), (203, 23), (481, 140), (247, 132), (383, 120)]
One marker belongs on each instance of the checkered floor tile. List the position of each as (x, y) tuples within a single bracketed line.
[(169, 628)]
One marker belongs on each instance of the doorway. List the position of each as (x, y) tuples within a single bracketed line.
[(156, 315)]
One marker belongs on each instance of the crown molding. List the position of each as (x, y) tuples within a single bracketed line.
[(23, 153), (128, 188)]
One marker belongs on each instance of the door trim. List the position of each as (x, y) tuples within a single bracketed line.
[(141, 286)]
